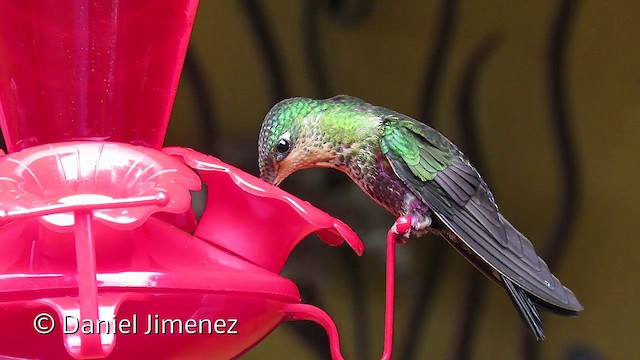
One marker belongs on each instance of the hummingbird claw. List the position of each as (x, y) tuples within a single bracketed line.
[(420, 222)]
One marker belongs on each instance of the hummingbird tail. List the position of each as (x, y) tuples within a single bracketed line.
[(527, 309)]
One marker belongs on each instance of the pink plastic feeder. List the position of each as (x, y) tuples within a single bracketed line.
[(101, 255), (102, 70)]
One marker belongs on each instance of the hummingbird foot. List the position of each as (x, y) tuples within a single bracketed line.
[(419, 214), (420, 223)]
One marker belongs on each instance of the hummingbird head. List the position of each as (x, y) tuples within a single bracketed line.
[(301, 133), (285, 142)]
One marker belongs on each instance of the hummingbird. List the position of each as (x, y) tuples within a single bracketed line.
[(412, 170)]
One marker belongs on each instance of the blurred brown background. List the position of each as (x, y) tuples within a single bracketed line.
[(514, 71)]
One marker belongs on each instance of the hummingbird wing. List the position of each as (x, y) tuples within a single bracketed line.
[(438, 174)]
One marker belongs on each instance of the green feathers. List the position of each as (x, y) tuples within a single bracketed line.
[(402, 138)]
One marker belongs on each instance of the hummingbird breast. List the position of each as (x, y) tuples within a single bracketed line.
[(374, 175), (353, 144)]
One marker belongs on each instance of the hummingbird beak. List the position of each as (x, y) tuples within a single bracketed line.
[(278, 180), (272, 176), (268, 171)]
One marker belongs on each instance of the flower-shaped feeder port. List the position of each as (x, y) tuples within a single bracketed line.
[(122, 184), (279, 215), (132, 268)]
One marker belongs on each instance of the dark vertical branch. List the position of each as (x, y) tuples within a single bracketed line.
[(438, 60), (423, 298), (561, 119), (3, 146), (194, 74), (345, 12), (432, 275), (467, 115), (474, 295), (348, 12), (312, 49), (316, 66), (359, 307), (474, 299), (267, 45), (568, 164)]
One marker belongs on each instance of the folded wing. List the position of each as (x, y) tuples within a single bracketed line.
[(439, 175)]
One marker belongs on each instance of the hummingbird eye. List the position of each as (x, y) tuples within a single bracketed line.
[(283, 146)]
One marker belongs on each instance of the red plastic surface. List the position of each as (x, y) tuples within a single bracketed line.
[(99, 249), (49, 178), (93, 227), (277, 215), (105, 70), (400, 227)]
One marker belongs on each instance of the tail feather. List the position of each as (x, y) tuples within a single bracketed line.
[(527, 309)]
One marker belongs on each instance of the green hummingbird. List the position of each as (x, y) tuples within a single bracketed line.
[(413, 170)]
